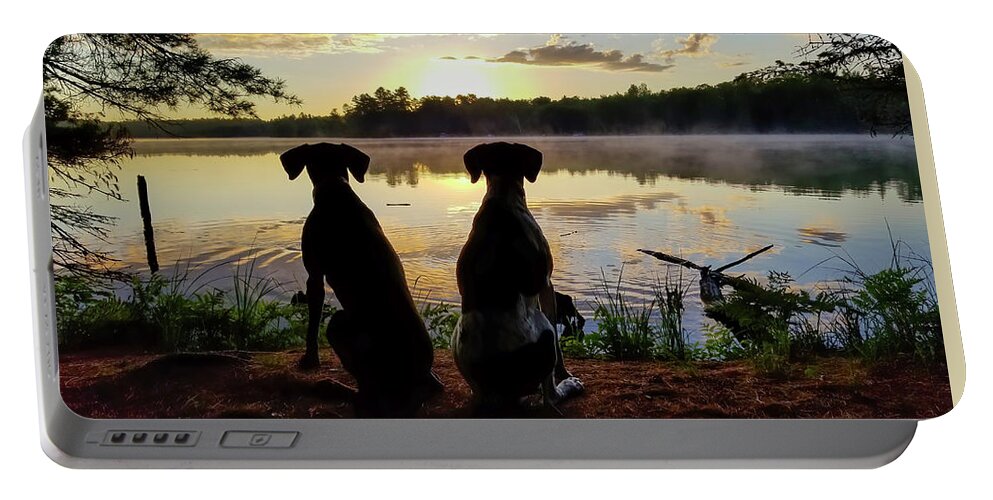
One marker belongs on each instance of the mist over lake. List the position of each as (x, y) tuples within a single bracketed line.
[(707, 198)]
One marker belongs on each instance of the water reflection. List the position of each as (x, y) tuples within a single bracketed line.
[(822, 236), (710, 199), (823, 165)]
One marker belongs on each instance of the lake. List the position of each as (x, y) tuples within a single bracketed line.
[(707, 198)]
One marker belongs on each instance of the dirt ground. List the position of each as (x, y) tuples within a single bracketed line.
[(268, 385)]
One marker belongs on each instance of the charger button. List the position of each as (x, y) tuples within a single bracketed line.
[(258, 439)]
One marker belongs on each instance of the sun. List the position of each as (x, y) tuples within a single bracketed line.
[(448, 77)]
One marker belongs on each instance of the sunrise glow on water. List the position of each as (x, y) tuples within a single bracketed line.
[(710, 199)]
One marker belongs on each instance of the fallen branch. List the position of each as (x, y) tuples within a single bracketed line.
[(743, 259), (711, 280)]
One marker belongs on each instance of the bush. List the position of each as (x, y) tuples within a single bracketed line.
[(576, 347), (775, 321), (772, 357), (721, 344), (885, 314), (87, 315), (440, 319), (894, 311), (177, 313)]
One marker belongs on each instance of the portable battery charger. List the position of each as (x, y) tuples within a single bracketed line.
[(303, 250)]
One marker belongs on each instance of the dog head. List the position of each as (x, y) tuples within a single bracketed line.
[(503, 160), (325, 162)]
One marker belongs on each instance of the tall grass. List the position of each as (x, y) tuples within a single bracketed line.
[(670, 292), (629, 331), (624, 330), (185, 311), (257, 320), (180, 311)]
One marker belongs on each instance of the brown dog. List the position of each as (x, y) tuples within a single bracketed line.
[(505, 344), (378, 335)]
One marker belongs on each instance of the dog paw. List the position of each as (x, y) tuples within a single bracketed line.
[(569, 387), (309, 362)]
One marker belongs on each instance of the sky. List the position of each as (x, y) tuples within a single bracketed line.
[(326, 71)]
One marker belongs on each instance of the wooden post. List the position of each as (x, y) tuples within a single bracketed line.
[(146, 219)]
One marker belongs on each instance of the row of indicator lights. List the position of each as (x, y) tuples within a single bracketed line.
[(142, 437)]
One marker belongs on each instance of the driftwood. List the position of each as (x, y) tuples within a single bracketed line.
[(711, 280)]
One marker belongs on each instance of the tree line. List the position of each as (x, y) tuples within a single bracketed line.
[(845, 83), (751, 103)]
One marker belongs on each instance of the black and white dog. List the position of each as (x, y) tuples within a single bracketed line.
[(505, 344)]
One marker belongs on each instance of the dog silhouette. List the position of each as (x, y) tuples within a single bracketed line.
[(378, 335)]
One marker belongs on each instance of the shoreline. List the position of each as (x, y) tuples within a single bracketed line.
[(268, 385)]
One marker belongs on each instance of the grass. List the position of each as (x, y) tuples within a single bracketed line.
[(892, 312), (628, 331), (624, 330), (872, 316), (774, 325), (773, 357), (720, 344), (674, 341), (771, 324), (183, 312), (179, 312), (440, 318)]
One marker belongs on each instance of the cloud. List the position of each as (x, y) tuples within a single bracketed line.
[(555, 53), (710, 215), (733, 60), (822, 236), (695, 45), (288, 45), (600, 209)]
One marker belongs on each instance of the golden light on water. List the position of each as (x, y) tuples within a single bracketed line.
[(216, 203), (458, 183)]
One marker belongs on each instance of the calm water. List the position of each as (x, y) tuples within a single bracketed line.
[(710, 199)]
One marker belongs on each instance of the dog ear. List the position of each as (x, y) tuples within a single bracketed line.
[(474, 159), (530, 159), (295, 160), (356, 161)]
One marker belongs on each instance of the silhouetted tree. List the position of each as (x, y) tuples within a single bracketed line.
[(869, 69), (137, 77), (787, 103)]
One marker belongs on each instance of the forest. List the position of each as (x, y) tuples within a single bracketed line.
[(751, 103)]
